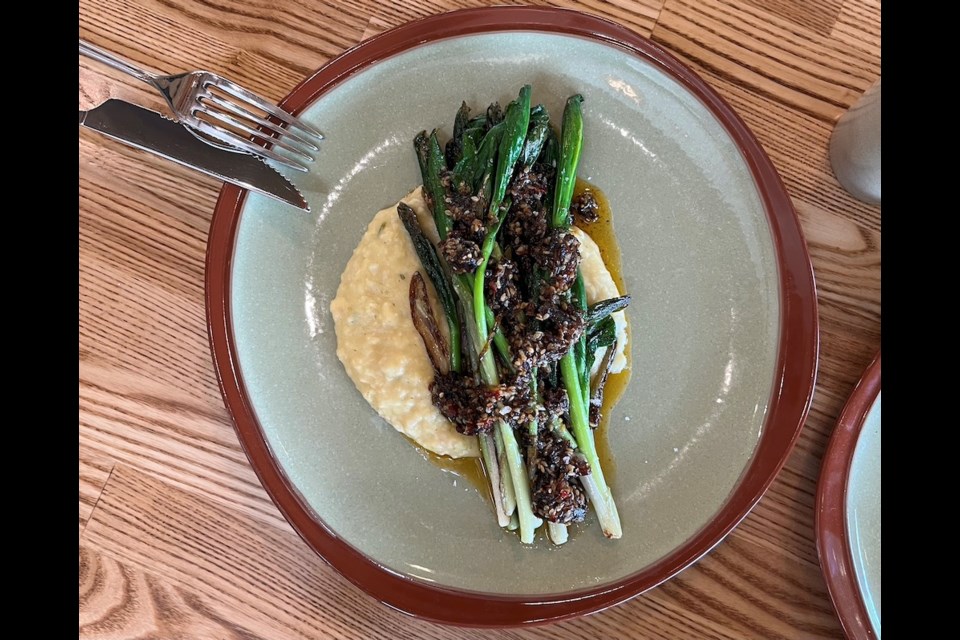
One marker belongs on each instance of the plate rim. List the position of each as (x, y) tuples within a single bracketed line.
[(833, 544), (794, 374)]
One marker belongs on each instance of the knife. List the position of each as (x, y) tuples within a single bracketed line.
[(150, 131)]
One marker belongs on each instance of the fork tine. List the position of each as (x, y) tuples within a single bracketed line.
[(263, 122), (237, 124), (236, 90), (236, 141)]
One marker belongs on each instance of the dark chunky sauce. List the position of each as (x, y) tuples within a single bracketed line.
[(602, 232)]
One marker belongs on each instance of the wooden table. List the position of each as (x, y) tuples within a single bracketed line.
[(177, 537)]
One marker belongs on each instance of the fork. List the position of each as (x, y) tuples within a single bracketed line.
[(224, 114)]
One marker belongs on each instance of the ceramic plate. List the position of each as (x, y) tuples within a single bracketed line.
[(724, 324), (848, 510)]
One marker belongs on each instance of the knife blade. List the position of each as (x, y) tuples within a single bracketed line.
[(148, 130)]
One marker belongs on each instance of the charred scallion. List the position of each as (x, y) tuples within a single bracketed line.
[(507, 275)]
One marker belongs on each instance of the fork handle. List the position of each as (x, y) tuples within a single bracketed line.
[(116, 62)]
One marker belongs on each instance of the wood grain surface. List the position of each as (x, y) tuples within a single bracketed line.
[(177, 539)]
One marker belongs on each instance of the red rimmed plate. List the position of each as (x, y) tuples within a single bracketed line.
[(725, 323), (848, 510)]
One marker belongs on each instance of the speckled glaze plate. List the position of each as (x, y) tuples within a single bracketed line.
[(848, 510), (724, 320)]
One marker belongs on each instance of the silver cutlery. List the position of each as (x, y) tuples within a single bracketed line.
[(224, 114), (148, 130)]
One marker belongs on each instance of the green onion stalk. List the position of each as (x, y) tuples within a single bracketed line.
[(486, 161), (573, 364), (515, 122), (491, 447), (483, 155), (447, 287)]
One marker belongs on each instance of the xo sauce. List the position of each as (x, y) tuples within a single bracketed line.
[(602, 232)]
